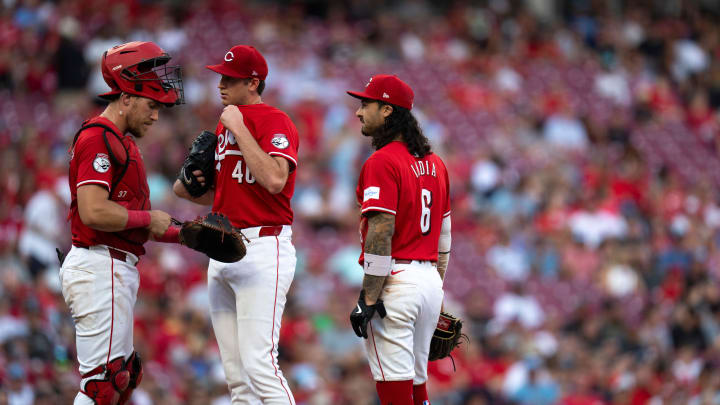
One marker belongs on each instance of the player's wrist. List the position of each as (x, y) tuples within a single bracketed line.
[(377, 265), (240, 130), (138, 219), (171, 235)]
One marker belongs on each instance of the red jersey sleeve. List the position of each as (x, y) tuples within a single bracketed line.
[(378, 186), (93, 161), (278, 137), (446, 207)]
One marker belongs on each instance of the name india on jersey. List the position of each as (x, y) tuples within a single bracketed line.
[(422, 168)]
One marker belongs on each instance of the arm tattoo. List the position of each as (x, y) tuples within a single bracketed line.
[(378, 241), (373, 287), (381, 228)]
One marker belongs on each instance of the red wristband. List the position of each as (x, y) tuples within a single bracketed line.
[(137, 219), (172, 235)]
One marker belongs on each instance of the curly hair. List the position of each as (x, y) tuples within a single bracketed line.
[(401, 121)]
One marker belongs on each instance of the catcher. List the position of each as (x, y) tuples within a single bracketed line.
[(406, 246), (111, 219)]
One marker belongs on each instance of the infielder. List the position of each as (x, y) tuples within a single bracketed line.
[(111, 219), (256, 157), (403, 192)]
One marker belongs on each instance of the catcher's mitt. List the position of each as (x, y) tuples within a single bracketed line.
[(201, 157), (446, 337), (215, 236)]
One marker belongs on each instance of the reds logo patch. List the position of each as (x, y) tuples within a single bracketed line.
[(101, 164), (280, 141)]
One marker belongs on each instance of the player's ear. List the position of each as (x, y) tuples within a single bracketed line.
[(125, 99), (254, 83), (386, 110)]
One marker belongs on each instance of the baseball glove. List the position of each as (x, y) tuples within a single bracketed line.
[(446, 337), (215, 236), (201, 157)]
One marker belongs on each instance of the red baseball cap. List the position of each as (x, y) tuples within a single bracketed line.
[(389, 89), (242, 61)]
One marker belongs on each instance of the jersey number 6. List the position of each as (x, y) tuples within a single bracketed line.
[(426, 202), (238, 173)]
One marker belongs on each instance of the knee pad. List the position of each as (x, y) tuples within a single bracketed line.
[(107, 391), (134, 367)]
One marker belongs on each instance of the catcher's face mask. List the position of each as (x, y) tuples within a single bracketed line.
[(142, 69)]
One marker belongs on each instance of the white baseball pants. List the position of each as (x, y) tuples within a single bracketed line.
[(398, 345), (101, 293), (247, 299)]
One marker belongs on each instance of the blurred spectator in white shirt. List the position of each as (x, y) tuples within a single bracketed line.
[(516, 305), (44, 227)]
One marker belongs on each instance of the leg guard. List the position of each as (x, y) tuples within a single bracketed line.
[(134, 367), (108, 390)]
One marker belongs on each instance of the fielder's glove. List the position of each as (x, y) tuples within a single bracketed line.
[(446, 337), (201, 157), (215, 236), (361, 315)]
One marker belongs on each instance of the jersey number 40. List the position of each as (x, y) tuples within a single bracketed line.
[(238, 173)]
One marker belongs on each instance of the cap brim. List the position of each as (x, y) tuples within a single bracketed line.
[(361, 96), (168, 101), (110, 94), (224, 70)]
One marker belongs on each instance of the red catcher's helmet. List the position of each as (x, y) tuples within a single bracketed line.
[(140, 68)]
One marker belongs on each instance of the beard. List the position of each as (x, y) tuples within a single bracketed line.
[(137, 120), (371, 131), (137, 129), (378, 134)]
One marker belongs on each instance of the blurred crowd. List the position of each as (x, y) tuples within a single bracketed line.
[(582, 142)]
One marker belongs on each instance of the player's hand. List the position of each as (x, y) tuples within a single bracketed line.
[(361, 315), (200, 178), (159, 222), (232, 118)]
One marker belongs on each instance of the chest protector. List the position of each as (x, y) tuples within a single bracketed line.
[(129, 186)]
